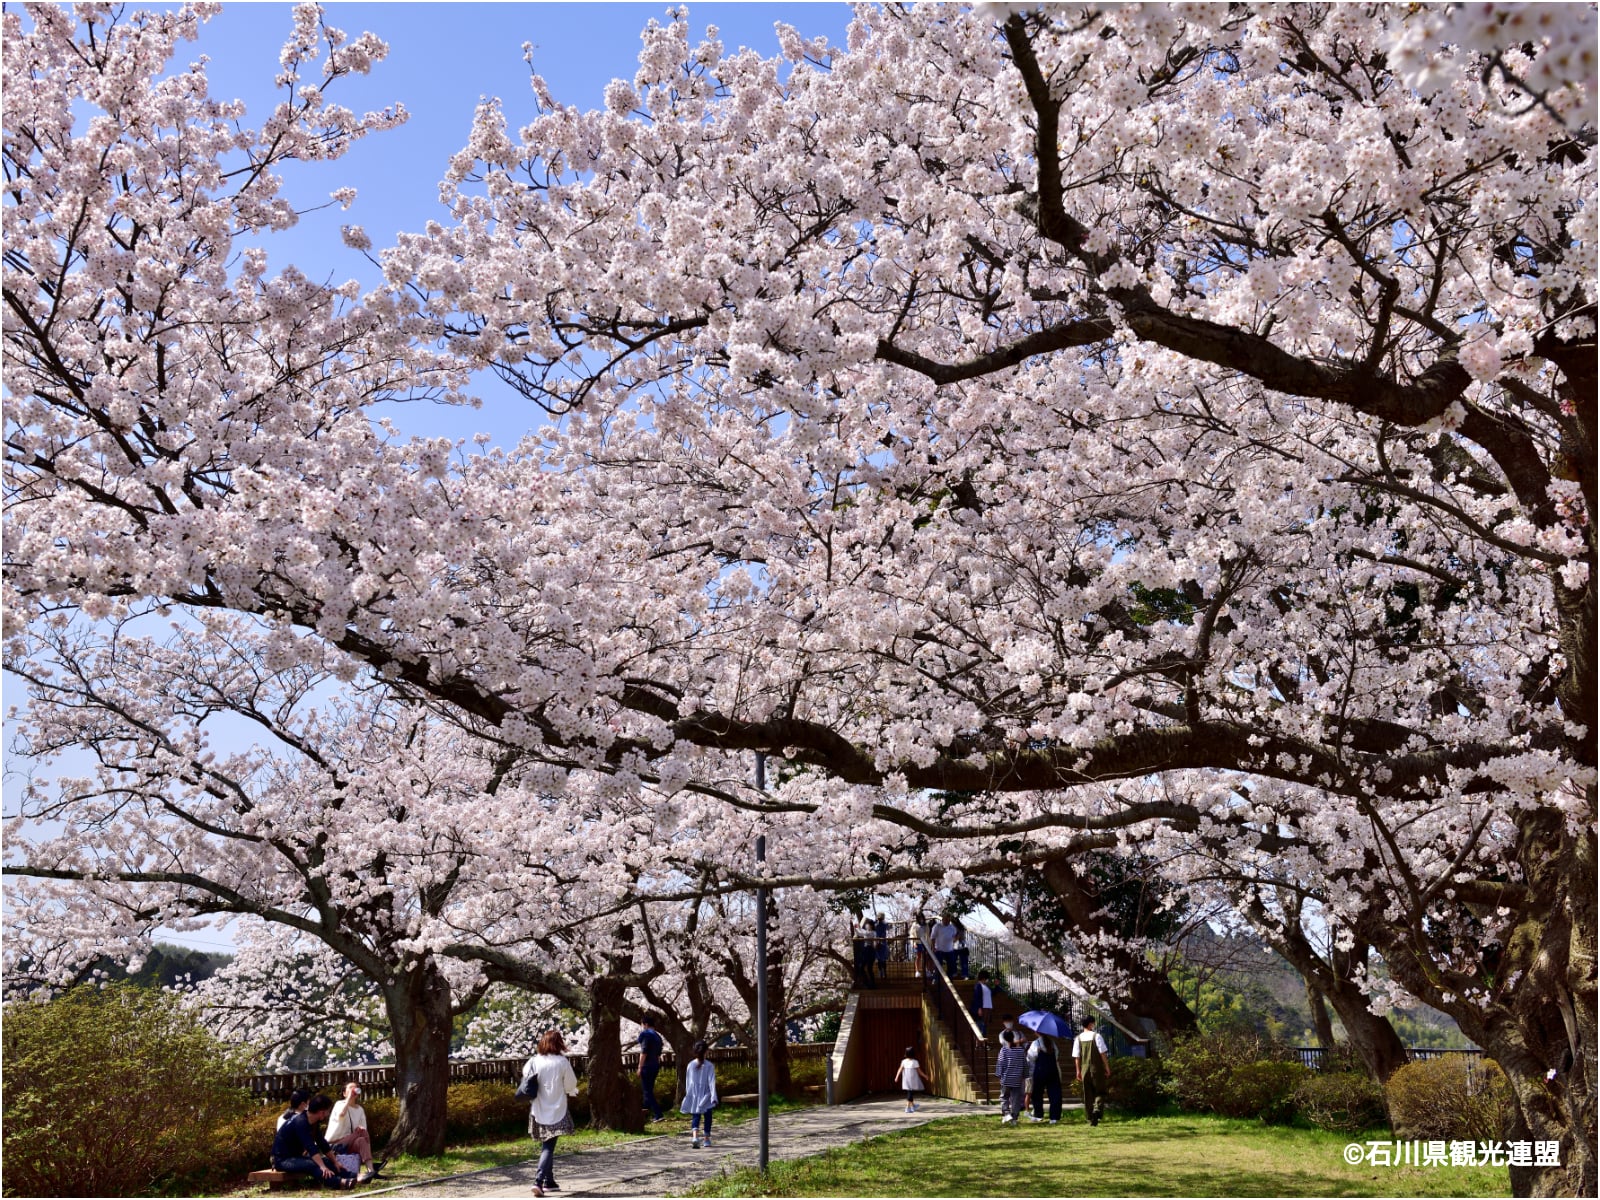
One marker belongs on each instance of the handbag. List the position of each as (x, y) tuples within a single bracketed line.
[(528, 1089)]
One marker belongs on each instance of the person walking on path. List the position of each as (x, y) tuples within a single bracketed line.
[(548, 1115), (1011, 1068), (909, 1077), (1045, 1077), (982, 1002), (1093, 1062), (650, 1043), (699, 1094)]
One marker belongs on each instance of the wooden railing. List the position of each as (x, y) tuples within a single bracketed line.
[(378, 1080)]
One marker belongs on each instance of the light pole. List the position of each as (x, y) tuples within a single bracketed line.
[(761, 980)]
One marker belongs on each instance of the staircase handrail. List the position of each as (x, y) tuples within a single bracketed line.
[(972, 1022), (976, 1063)]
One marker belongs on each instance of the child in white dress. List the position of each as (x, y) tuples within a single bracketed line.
[(909, 1077)]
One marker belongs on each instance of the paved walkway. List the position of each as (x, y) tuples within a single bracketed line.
[(660, 1166)]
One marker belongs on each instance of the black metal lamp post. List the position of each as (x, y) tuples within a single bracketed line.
[(761, 980)]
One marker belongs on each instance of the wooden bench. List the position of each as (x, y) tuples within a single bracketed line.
[(278, 1179)]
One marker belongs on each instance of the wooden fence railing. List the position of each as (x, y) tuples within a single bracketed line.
[(378, 1080)]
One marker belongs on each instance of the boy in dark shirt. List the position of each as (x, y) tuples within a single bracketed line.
[(649, 1065), (298, 1149)]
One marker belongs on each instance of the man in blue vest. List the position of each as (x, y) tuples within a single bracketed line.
[(649, 1065)]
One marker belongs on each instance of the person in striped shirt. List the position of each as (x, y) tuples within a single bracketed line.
[(1011, 1068)]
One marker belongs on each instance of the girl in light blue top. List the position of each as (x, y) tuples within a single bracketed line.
[(699, 1093)]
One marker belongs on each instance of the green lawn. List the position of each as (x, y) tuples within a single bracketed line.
[(1151, 1156)]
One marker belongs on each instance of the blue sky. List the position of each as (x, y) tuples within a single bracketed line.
[(444, 58)]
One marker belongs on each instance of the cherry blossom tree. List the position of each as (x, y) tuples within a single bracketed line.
[(1008, 403), (1105, 393)]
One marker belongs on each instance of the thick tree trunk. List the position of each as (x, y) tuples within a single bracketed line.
[(1547, 1050), (1149, 993), (418, 1006), (1539, 1022), (1320, 1021), (1333, 978), (614, 1097), (1373, 1038)]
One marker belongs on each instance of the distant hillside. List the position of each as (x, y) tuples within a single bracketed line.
[(1237, 979), (166, 966)]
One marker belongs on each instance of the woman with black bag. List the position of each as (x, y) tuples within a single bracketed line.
[(547, 1081)]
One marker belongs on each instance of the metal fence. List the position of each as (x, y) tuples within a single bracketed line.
[(1314, 1056), (378, 1080)]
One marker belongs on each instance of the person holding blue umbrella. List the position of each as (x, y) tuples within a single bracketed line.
[(1044, 1067)]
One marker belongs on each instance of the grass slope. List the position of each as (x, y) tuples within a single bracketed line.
[(1153, 1156)]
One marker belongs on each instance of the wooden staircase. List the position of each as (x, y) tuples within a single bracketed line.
[(957, 1062)]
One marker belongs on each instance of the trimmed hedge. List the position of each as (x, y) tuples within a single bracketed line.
[(1263, 1089), (1451, 1098), (1138, 1085), (1342, 1101), (1234, 1074)]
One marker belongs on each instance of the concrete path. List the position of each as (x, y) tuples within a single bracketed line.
[(661, 1166)]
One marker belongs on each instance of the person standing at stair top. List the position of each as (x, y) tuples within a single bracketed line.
[(962, 952), (982, 1001), (944, 944), (1093, 1062), (866, 937), (880, 930)]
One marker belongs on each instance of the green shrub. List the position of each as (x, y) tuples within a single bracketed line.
[(1341, 1101), (110, 1092), (1451, 1098), (1235, 1073), (1202, 1064), (1263, 1089), (1138, 1085)]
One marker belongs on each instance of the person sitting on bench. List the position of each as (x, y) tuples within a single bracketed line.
[(349, 1136), (298, 1149), (298, 1099)]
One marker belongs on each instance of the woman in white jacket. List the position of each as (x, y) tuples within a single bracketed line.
[(699, 1093), (548, 1116)]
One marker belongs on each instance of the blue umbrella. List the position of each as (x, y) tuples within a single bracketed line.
[(1046, 1023)]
